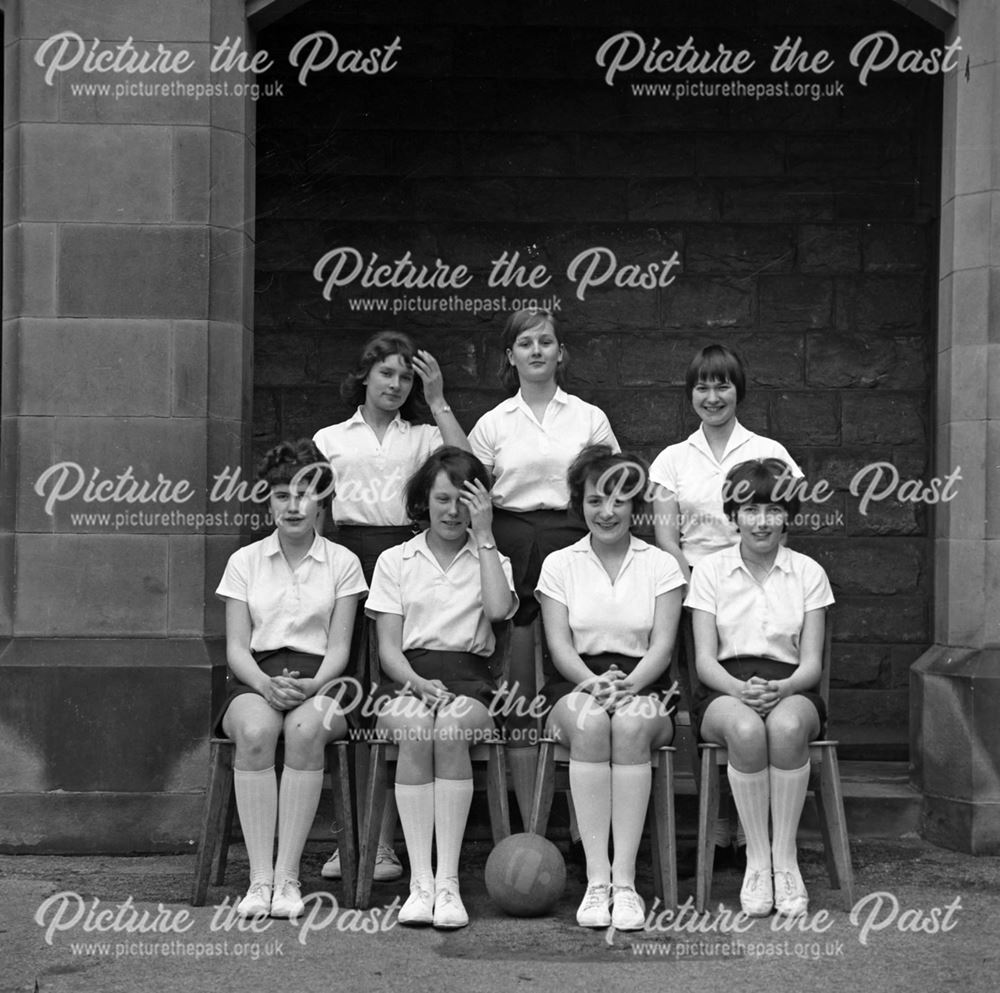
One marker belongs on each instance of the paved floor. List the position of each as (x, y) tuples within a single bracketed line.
[(926, 919)]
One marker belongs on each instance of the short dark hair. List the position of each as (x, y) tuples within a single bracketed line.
[(755, 481), (623, 469), (377, 348), (716, 363), (461, 466), (525, 320), (281, 464)]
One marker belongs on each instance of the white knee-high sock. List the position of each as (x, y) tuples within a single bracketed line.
[(629, 801), (298, 798), (788, 794), (452, 800), (590, 784), (257, 804), (751, 791), (415, 804)]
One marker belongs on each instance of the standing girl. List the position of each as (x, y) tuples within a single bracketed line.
[(373, 454), (528, 443)]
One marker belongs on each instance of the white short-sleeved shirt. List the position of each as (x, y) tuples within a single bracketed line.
[(692, 473), (370, 477), (606, 616), (291, 609), (529, 458), (763, 619), (441, 608)]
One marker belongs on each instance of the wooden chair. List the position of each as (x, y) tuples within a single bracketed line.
[(220, 807), (824, 786), (489, 773)]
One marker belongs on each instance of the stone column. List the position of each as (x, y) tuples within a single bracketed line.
[(955, 686), (126, 350)]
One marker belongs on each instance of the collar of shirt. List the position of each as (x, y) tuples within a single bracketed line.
[(635, 545), (740, 436), (357, 419), (782, 561), (317, 550), (517, 402), (418, 546)]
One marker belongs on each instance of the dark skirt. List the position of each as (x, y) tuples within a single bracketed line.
[(272, 663), (526, 538), (552, 692), (463, 673), (743, 667)]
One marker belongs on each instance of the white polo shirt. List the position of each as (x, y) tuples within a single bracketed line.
[(606, 616), (291, 609), (692, 473), (529, 458), (752, 618), (441, 608), (371, 477)]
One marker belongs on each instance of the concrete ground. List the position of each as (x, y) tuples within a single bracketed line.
[(926, 919)]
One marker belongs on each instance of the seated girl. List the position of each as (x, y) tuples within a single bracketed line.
[(610, 606), (290, 603), (759, 610), (434, 599)]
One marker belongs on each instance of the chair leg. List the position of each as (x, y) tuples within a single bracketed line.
[(708, 812), (496, 793), (663, 829), (831, 802), (341, 767), (545, 781), (219, 799), (222, 851), (372, 805)]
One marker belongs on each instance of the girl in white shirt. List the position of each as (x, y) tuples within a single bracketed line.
[(433, 600), (611, 605), (290, 605), (528, 442), (689, 519), (759, 613), (373, 453)]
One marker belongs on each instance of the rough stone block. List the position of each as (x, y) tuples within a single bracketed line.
[(663, 155), (869, 708), (699, 301), (806, 418), (829, 248), (883, 156), (565, 199), (771, 201), (159, 271), (839, 361), (858, 666), (896, 247), (98, 368), (642, 417), (741, 155), (672, 201), (872, 566), (883, 303), (883, 619), (887, 517), (870, 419), (124, 181), (800, 301), (489, 153), (749, 249)]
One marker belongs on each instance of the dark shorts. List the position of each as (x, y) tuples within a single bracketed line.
[(552, 692), (526, 539), (463, 673), (743, 667), (368, 542), (273, 663)]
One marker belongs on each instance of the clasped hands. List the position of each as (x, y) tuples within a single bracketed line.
[(609, 689), (285, 692), (761, 695)]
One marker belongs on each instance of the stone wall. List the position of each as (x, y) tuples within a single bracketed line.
[(806, 233)]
